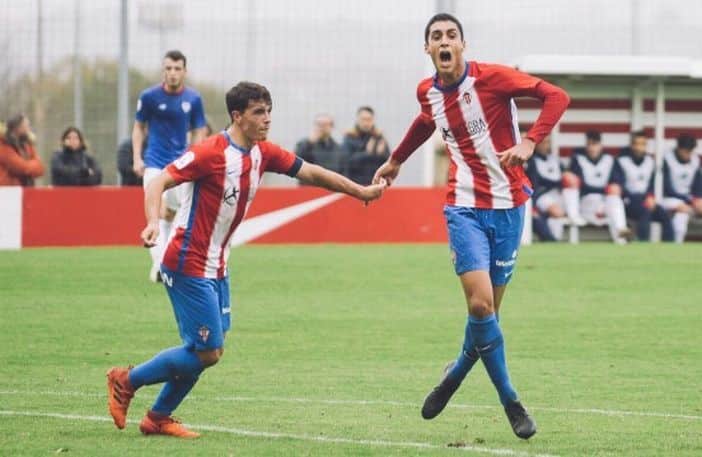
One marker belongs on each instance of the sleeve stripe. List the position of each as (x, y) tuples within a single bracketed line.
[(295, 168)]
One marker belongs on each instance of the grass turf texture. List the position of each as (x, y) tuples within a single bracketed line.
[(592, 326)]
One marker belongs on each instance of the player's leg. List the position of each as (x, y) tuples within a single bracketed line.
[(469, 251), (571, 198), (551, 205), (197, 307), (637, 210), (680, 216), (616, 214), (506, 225), (661, 215)]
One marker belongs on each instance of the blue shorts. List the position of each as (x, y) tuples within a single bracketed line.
[(485, 239), (201, 307)]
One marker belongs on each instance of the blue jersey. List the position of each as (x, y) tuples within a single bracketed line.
[(170, 117)]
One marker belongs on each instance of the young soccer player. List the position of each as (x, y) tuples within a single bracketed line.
[(169, 111), (472, 105), (220, 177)]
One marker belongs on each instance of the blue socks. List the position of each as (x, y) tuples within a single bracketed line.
[(466, 358), (489, 343), (168, 365), (172, 393)]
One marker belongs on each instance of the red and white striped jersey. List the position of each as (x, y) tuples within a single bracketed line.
[(219, 181), (477, 118)]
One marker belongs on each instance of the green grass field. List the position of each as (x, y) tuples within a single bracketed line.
[(333, 349)]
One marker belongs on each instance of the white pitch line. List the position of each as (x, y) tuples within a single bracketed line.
[(597, 411), (292, 436)]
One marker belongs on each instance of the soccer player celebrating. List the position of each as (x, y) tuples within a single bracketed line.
[(169, 110), (220, 177), (472, 104)]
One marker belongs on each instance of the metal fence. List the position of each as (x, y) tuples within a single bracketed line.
[(60, 57)]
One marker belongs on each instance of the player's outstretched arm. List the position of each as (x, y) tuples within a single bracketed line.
[(152, 206), (321, 177)]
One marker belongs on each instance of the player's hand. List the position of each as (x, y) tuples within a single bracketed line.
[(138, 168), (387, 172), (373, 191), (517, 154), (649, 202), (150, 234)]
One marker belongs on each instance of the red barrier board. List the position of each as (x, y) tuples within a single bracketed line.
[(115, 216)]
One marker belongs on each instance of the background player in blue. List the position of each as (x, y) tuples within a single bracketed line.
[(169, 110)]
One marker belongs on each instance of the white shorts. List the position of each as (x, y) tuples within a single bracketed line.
[(592, 209), (548, 199), (171, 197), (670, 203)]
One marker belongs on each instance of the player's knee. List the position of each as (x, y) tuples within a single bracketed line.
[(481, 307), (570, 180), (613, 189), (555, 211), (210, 358)]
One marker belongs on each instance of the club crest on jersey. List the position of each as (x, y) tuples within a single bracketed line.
[(184, 160), (162, 107), (204, 333), (186, 107), (466, 97)]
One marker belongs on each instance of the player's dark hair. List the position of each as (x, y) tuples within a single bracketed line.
[(442, 17), (685, 141), (593, 135), (365, 108), (10, 126), (71, 129), (239, 96), (638, 134), (176, 56)]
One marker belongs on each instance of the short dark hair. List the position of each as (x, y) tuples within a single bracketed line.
[(78, 132), (365, 108), (239, 96), (638, 134), (176, 56), (442, 17), (686, 141), (15, 121), (593, 135)]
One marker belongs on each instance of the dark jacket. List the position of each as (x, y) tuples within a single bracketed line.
[(74, 168), (366, 152), (325, 153), (125, 163)]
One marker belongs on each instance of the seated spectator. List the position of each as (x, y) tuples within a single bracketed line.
[(72, 165), (19, 163), (365, 146), (550, 204), (682, 184), (600, 199), (125, 163), (634, 171), (320, 147)]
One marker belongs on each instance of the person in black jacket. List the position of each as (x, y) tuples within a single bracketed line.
[(365, 146), (125, 163), (72, 165)]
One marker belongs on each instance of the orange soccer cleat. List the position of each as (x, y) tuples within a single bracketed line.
[(158, 424), (119, 394)]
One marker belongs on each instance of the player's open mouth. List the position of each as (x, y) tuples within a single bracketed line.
[(445, 56)]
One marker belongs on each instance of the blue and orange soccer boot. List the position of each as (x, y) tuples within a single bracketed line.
[(158, 424), (119, 394)]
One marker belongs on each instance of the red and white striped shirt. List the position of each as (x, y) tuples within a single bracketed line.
[(219, 181), (477, 118)]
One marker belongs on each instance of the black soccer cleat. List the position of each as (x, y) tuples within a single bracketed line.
[(522, 424), (438, 398)]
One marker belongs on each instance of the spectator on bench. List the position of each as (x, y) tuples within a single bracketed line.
[(19, 162), (634, 171), (682, 184), (72, 165), (600, 199)]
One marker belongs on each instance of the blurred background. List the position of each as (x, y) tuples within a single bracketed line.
[(62, 59)]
